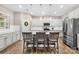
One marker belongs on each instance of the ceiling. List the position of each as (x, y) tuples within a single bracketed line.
[(42, 9)]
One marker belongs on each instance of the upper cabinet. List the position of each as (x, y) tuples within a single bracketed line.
[(17, 18)]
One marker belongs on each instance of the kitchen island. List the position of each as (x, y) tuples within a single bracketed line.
[(47, 32)]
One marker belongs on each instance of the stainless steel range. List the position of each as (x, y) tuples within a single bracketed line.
[(46, 26)]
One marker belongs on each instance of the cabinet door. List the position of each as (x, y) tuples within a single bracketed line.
[(17, 35), (2, 43), (14, 37), (9, 38)]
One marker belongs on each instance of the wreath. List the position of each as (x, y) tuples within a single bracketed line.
[(26, 23)]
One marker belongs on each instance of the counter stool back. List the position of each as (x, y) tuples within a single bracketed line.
[(41, 40), (53, 41), (27, 40)]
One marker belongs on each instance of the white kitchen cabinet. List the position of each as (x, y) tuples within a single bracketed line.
[(2, 43), (14, 37), (17, 35), (9, 38), (5, 40)]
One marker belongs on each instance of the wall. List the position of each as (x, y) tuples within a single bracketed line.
[(37, 23), (25, 17)]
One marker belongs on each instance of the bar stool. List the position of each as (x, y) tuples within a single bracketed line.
[(41, 40), (53, 41), (27, 41)]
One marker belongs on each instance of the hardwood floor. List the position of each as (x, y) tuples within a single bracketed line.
[(17, 48)]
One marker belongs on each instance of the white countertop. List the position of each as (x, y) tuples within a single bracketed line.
[(12, 29), (6, 31), (47, 32)]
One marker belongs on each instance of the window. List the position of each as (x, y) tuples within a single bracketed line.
[(4, 22)]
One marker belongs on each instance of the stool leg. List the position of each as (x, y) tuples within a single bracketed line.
[(45, 48), (57, 47), (37, 48), (32, 49), (23, 46), (26, 47)]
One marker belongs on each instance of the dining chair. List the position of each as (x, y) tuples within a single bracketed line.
[(41, 40), (27, 41), (53, 41)]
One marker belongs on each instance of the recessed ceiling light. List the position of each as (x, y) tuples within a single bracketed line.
[(61, 6), (20, 6), (55, 12)]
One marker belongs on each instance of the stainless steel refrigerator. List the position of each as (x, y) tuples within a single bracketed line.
[(70, 30)]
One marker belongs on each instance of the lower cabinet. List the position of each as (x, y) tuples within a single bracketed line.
[(2, 43), (8, 39), (14, 37), (17, 35)]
